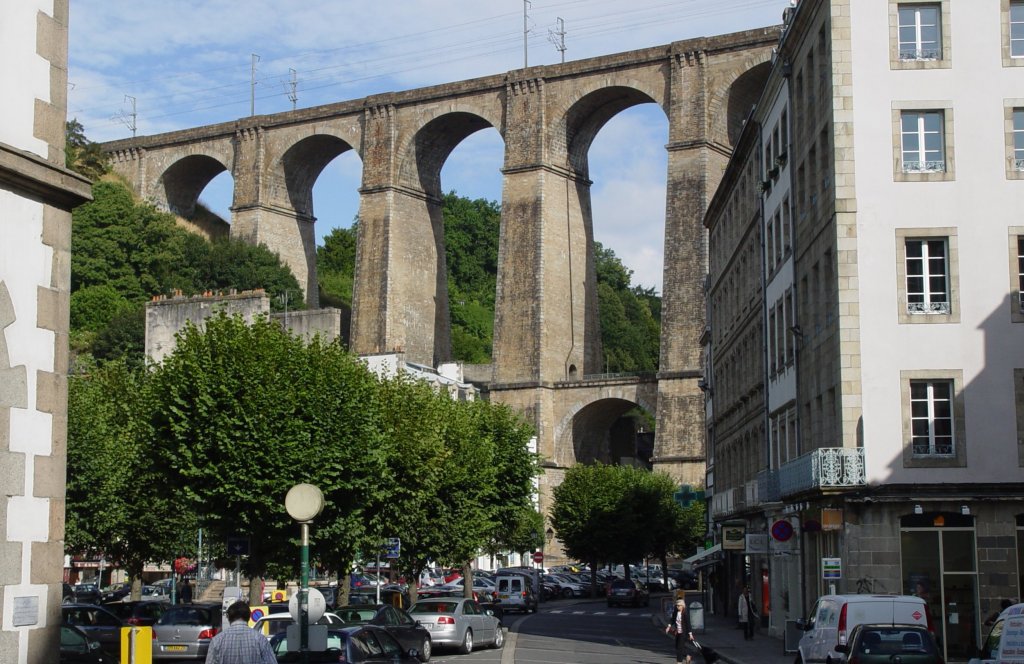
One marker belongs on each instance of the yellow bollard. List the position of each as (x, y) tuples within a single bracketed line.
[(136, 645)]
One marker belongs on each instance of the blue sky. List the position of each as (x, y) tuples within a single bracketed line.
[(188, 63)]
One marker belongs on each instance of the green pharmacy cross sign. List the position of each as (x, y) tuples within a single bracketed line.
[(686, 496)]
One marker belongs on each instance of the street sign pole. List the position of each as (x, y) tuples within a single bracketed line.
[(303, 593)]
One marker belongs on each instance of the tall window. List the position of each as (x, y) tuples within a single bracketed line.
[(920, 32), (1018, 139), (1017, 29), (1020, 271), (922, 141), (931, 417), (927, 276)]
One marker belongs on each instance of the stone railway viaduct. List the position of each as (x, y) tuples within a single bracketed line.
[(546, 330)]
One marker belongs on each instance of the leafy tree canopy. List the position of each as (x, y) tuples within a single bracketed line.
[(82, 155)]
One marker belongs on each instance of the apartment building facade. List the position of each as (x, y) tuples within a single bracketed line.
[(885, 444)]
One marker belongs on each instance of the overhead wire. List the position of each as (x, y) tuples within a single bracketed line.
[(389, 65)]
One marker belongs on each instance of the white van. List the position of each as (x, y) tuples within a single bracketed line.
[(834, 616), (1005, 642), (515, 592)]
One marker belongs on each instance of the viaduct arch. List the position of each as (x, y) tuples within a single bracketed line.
[(547, 343)]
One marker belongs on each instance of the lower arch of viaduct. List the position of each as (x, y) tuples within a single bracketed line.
[(546, 327)]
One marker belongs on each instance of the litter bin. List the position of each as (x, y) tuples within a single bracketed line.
[(696, 610)]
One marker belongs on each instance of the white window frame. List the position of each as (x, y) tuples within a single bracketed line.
[(909, 313), (1018, 139), (937, 399), (918, 24), (935, 448), (928, 300), (919, 161), (1015, 18), (941, 57)]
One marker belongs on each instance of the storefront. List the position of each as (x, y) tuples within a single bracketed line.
[(939, 564)]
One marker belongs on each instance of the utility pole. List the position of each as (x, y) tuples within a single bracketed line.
[(128, 119), (526, 30), (252, 85), (557, 37), (293, 95)]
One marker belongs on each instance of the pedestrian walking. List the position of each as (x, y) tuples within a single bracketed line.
[(186, 591), (239, 643), (679, 626), (746, 613)]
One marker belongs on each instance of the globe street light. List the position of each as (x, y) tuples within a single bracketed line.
[(303, 503)]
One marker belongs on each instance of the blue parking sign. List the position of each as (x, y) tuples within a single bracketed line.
[(393, 547)]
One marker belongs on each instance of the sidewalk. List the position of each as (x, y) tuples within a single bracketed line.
[(722, 634)]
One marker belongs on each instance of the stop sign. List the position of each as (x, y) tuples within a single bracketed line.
[(538, 557)]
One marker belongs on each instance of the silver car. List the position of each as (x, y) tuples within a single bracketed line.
[(459, 622), (184, 631)]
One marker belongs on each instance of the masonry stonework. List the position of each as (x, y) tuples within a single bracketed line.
[(546, 327)]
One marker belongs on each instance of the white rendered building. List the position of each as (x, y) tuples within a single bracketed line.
[(36, 196)]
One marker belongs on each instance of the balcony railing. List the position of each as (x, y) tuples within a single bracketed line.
[(928, 307), (936, 166), (768, 486), (824, 468), (1018, 164), (919, 54)]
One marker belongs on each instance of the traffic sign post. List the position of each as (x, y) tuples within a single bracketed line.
[(392, 548), (538, 557)]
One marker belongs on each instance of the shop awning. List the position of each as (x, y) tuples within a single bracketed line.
[(700, 557)]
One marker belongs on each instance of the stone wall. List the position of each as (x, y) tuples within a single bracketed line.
[(165, 317)]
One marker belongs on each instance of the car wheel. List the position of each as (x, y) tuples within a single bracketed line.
[(425, 648), (467, 642), (567, 593), (499, 638)]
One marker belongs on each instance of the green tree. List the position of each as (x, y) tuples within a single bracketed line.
[(82, 155), (117, 502), (335, 266), (630, 316), (244, 412)]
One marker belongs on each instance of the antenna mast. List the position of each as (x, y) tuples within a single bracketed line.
[(252, 85), (526, 30), (129, 119), (293, 95), (557, 37)]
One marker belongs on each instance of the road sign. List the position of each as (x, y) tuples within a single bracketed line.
[(393, 547), (831, 568), (538, 557), (316, 605), (238, 546)]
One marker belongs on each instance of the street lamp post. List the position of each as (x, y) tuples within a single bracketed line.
[(303, 503)]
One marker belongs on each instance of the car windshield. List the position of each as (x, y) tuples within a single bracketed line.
[(434, 607), (350, 615)]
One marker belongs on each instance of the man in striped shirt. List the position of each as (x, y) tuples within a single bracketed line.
[(239, 643)]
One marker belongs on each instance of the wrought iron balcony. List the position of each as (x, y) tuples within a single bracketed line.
[(768, 486), (824, 468)]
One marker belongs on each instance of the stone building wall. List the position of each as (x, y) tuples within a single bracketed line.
[(36, 196)]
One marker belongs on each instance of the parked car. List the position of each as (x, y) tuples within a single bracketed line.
[(1004, 639), (87, 593), (145, 612), (362, 644), (77, 648), (272, 623), (628, 591), (398, 623), (98, 623), (885, 644), (567, 587), (834, 616), (684, 578), (115, 592), (68, 596), (485, 589), (515, 592), (458, 622), (156, 593), (184, 631)]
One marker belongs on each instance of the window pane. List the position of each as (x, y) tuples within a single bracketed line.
[(909, 122), (914, 248), (918, 390), (958, 551), (932, 122)]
